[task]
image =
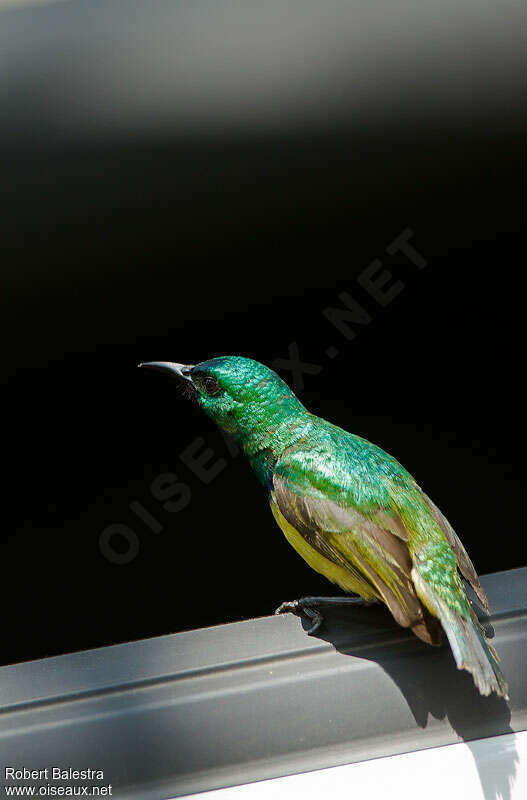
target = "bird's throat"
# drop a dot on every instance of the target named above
(264, 445)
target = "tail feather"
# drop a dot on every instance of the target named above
(467, 640)
(471, 652)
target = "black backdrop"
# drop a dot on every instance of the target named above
(182, 247)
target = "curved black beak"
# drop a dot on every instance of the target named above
(180, 370)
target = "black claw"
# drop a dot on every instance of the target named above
(307, 604)
(288, 605)
(317, 618)
(302, 605)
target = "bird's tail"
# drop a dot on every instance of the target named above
(473, 653)
(466, 637)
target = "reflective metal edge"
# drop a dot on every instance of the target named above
(240, 702)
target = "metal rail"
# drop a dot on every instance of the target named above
(220, 706)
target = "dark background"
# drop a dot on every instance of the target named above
(166, 241)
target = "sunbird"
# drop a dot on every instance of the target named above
(351, 511)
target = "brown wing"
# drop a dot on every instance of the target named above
(367, 547)
(466, 567)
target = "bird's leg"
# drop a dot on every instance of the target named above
(307, 605)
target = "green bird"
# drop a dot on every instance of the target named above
(350, 510)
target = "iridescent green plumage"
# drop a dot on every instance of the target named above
(351, 510)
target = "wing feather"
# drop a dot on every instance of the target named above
(375, 548)
(466, 567)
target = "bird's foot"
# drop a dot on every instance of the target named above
(302, 605)
(306, 604)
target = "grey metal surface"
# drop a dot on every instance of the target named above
(256, 699)
(99, 69)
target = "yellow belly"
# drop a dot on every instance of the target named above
(333, 572)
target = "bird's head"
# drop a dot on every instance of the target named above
(242, 396)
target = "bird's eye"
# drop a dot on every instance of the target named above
(211, 386)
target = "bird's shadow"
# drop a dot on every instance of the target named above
(432, 686)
